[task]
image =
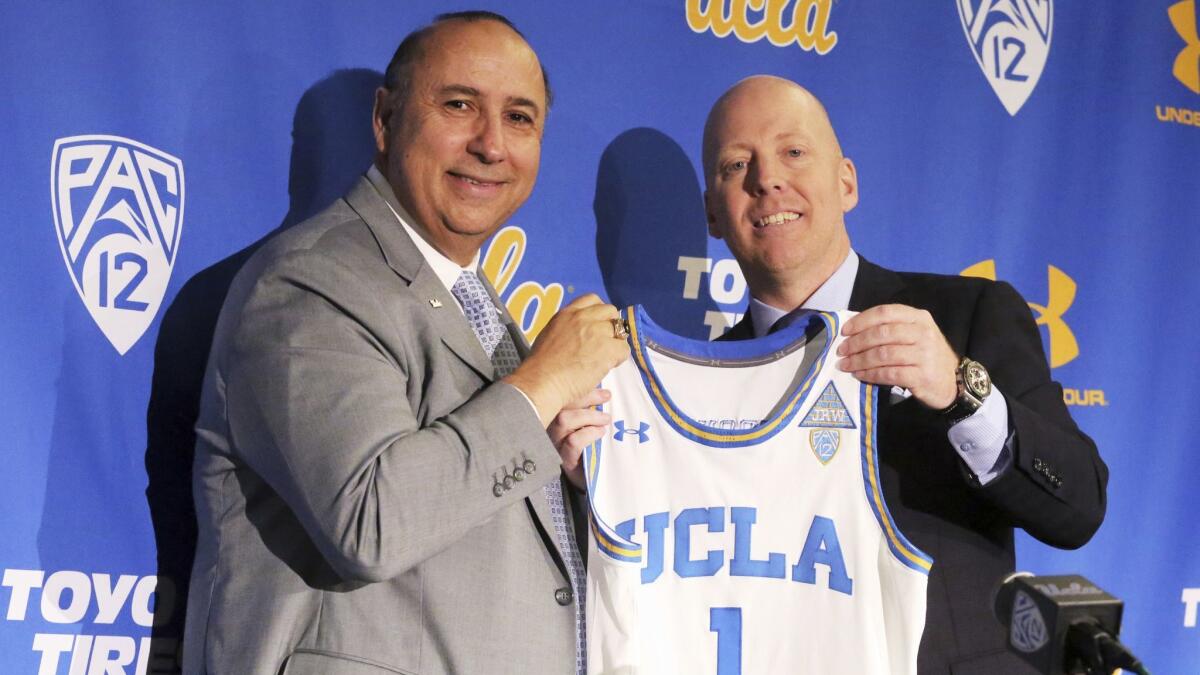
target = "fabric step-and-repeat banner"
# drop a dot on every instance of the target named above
(148, 147)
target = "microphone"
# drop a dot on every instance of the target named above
(1063, 625)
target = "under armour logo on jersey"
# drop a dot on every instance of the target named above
(829, 411)
(640, 432)
(118, 214)
(1010, 40)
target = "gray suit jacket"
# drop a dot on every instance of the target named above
(349, 441)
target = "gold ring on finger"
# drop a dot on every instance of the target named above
(620, 329)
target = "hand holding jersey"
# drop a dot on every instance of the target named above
(570, 356)
(577, 426)
(901, 346)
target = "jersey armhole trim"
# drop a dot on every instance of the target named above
(607, 540)
(899, 545)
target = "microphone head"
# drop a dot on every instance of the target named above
(1038, 611)
(1002, 596)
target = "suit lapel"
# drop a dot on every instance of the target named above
(742, 330)
(874, 285)
(406, 260)
(451, 324)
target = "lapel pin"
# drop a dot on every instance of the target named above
(435, 303)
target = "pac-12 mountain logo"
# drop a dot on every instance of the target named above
(118, 214)
(1010, 40)
(1027, 630)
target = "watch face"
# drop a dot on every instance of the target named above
(976, 379)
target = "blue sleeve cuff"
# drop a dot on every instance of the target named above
(983, 440)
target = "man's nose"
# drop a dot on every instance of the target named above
(763, 178)
(487, 144)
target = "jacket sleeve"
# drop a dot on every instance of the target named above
(1055, 486)
(328, 414)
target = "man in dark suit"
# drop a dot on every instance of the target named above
(380, 457)
(975, 439)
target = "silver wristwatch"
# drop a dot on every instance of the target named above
(974, 385)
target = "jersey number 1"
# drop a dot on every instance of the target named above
(726, 622)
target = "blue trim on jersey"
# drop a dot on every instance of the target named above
(902, 549)
(607, 540)
(641, 328)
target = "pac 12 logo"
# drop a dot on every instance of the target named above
(118, 214)
(1010, 40)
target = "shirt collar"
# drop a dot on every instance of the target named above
(447, 270)
(831, 296)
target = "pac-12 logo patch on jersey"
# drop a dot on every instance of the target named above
(118, 214)
(824, 443)
(1010, 40)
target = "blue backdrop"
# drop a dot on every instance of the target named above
(148, 147)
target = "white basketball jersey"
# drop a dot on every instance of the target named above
(737, 518)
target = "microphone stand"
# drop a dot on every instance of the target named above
(1094, 652)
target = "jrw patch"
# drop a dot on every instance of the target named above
(118, 214)
(828, 411)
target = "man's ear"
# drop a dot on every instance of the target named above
(848, 179)
(381, 112)
(713, 230)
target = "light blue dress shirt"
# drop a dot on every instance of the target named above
(982, 440)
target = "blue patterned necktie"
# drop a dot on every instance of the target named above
(484, 318)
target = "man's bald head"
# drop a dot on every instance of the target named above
(752, 93)
(398, 76)
(777, 187)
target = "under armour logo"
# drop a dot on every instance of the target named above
(1187, 64)
(1064, 348)
(640, 432)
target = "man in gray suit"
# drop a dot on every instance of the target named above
(379, 470)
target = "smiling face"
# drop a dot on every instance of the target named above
(460, 147)
(778, 187)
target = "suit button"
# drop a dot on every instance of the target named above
(529, 466)
(498, 489)
(563, 596)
